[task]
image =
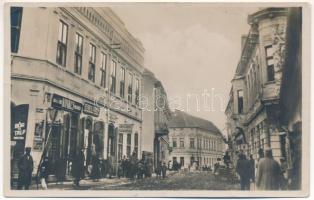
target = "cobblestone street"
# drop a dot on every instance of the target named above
(175, 181)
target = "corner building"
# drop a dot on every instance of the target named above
(253, 108)
(194, 139)
(76, 78)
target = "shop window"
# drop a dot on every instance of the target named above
(113, 76)
(103, 69)
(240, 101)
(92, 61)
(62, 44)
(128, 145)
(78, 54)
(122, 82)
(16, 19)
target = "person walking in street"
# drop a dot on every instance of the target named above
(95, 173)
(163, 170)
(243, 168)
(78, 167)
(43, 173)
(60, 170)
(283, 169)
(25, 166)
(252, 162)
(268, 173)
(158, 170)
(123, 166)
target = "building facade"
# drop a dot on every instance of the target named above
(76, 76)
(194, 140)
(156, 115)
(291, 98)
(253, 108)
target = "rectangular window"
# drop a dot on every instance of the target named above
(130, 89)
(92, 61)
(174, 142)
(113, 76)
(192, 143)
(120, 146)
(62, 44)
(78, 54)
(122, 82)
(103, 70)
(240, 101)
(16, 19)
(137, 91)
(182, 142)
(128, 145)
(270, 63)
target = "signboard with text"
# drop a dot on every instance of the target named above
(19, 122)
(125, 128)
(63, 103)
(91, 109)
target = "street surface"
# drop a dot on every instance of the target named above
(175, 181)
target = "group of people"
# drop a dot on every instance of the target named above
(269, 174)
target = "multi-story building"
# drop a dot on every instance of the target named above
(253, 108)
(291, 99)
(76, 76)
(156, 117)
(194, 139)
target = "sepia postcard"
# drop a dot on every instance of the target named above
(172, 99)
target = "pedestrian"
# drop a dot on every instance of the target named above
(60, 170)
(158, 170)
(268, 172)
(78, 167)
(226, 159)
(283, 170)
(163, 170)
(95, 171)
(43, 173)
(252, 164)
(110, 167)
(123, 166)
(25, 166)
(243, 168)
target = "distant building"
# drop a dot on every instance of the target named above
(156, 117)
(253, 109)
(194, 139)
(76, 76)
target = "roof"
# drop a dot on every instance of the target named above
(182, 119)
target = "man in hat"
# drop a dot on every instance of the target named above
(26, 166)
(268, 172)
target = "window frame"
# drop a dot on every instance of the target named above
(103, 70)
(270, 67)
(15, 28)
(92, 62)
(62, 44)
(122, 82)
(113, 76)
(78, 53)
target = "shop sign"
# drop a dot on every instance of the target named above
(91, 109)
(19, 122)
(63, 103)
(125, 128)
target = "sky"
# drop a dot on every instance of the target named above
(193, 49)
